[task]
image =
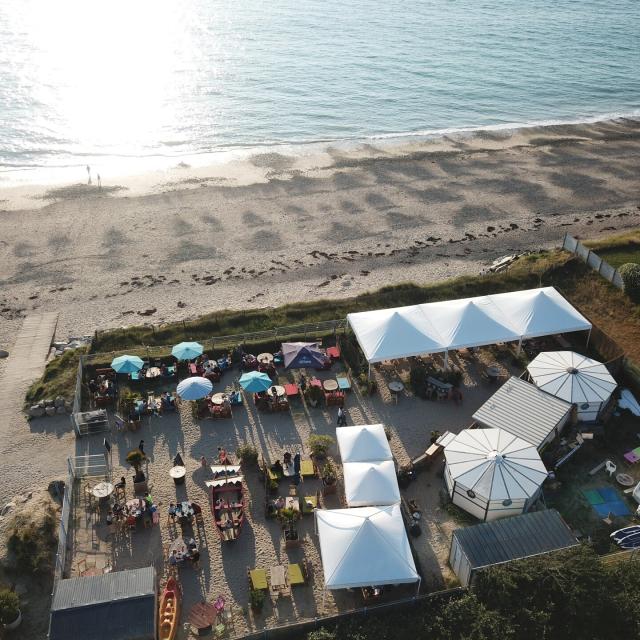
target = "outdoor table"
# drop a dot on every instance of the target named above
(153, 372)
(330, 385)
(218, 399)
(102, 490)
(625, 480)
(333, 353)
(291, 389)
(493, 371)
(279, 390)
(278, 577)
(292, 502)
(202, 615)
(438, 384)
(136, 507)
(180, 547)
(185, 510)
(265, 358)
(396, 386)
(178, 474)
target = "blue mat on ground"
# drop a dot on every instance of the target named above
(617, 508)
(609, 494)
(593, 496)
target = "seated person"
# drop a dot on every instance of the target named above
(303, 382)
(287, 459)
(279, 503)
(163, 369)
(122, 484)
(223, 458)
(93, 387)
(276, 467)
(173, 559)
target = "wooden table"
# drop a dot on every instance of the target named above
(178, 473)
(102, 490)
(202, 615)
(265, 358)
(278, 577)
(330, 385)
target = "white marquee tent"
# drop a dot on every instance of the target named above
(363, 443)
(575, 378)
(370, 483)
(389, 334)
(492, 474)
(364, 547)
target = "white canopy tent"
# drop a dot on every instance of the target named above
(575, 378)
(363, 547)
(370, 483)
(389, 334)
(492, 474)
(363, 443)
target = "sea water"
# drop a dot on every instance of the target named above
(90, 82)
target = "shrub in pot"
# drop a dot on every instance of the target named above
(257, 599)
(10, 615)
(319, 445)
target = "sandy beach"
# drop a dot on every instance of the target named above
(275, 228)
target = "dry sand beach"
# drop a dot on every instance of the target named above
(277, 228)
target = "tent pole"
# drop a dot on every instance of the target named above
(418, 589)
(519, 346)
(588, 338)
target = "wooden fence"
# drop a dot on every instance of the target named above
(608, 272)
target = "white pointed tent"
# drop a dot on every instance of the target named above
(492, 474)
(370, 483)
(364, 547)
(575, 378)
(363, 443)
(389, 334)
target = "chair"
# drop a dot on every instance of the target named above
(219, 605)
(610, 467)
(220, 630)
(609, 519)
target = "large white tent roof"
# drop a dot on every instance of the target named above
(363, 443)
(363, 547)
(402, 332)
(572, 377)
(495, 464)
(370, 483)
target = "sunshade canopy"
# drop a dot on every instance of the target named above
(255, 381)
(300, 355)
(363, 443)
(370, 483)
(572, 377)
(194, 388)
(127, 364)
(187, 350)
(364, 546)
(495, 465)
(388, 334)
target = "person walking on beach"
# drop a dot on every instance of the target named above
(99, 181)
(88, 174)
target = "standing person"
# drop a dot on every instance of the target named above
(88, 174)
(342, 418)
(99, 181)
(141, 447)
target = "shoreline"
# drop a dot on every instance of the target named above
(29, 187)
(280, 231)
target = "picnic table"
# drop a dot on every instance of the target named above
(278, 578)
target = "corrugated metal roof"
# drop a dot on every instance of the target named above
(115, 606)
(523, 410)
(513, 538)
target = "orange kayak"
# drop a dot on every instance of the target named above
(169, 618)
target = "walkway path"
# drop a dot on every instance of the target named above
(25, 363)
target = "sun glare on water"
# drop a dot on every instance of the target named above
(107, 68)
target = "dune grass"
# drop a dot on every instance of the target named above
(617, 250)
(59, 379)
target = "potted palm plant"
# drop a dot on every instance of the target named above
(319, 445)
(135, 458)
(329, 479)
(290, 530)
(10, 615)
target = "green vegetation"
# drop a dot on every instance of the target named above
(32, 541)
(617, 250)
(630, 272)
(558, 596)
(59, 379)
(9, 606)
(319, 445)
(247, 454)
